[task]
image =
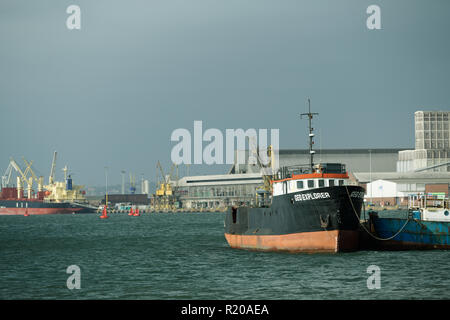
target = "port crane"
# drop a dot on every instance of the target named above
(166, 185)
(164, 197)
(161, 191)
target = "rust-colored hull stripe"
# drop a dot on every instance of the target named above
(318, 241)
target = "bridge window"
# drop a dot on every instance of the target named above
(331, 183)
(310, 183)
(299, 184)
(341, 182)
(321, 183)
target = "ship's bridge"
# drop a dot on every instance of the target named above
(301, 178)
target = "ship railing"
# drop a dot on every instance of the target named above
(288, 171)
(427, 201)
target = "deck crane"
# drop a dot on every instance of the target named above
(22, 178)
(7, 176)
(39, 181)
(52, 170)
(267, 172)
(267, 169)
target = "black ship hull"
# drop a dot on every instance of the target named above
(318, 220)
(38, 207)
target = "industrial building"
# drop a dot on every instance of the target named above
(356, 160)
(389, 175)
(426, 169)
(432, 144)
(218, 191)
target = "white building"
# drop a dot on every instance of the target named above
(384, 191)
(432, 144)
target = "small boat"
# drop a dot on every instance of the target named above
(310, 208)
(426, 226)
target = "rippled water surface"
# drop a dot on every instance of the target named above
(185, 256)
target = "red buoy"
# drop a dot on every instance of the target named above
(104, 213)
(136, 214)
(131, 211)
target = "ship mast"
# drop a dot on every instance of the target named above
(311, 134)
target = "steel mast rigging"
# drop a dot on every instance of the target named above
(311, 134)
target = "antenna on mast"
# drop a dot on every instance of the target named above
(311, 134)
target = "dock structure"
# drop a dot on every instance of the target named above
(218, 191)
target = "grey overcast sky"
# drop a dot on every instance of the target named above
(111, 93)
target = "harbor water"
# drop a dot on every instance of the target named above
(185, 256)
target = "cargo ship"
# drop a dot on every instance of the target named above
(58, 197)
(310, 208)
(426, 226)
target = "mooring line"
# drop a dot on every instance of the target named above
(370, 233)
